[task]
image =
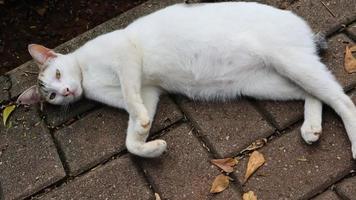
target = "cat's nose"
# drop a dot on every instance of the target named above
(67, 92)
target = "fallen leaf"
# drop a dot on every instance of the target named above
(226, 164)
(256, 160)
(249, 196)
(157, 196)
(6, 113)
(350, 60)
(256, 144)
(220, 183)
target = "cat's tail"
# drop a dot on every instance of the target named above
(320, 42)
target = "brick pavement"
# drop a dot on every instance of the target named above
(80, 153)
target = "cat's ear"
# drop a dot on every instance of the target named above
(40, 53)
(29, 96)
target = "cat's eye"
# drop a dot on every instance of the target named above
(58, 74)
(52, 96)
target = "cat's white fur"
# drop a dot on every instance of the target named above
(206, 51)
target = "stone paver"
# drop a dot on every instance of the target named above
(28, 157)
(328, 17)
(351, 31)
(298, 170)
(117, 179)
(334, 60)
(316, 15)
(167, 114)
(328, 195)
(229, 127)
(184, 172)
(347, 188)
(58, 115)
(102, 133)
(282, 4)
(92, 139)
(4, 86)
(344, 10)
(283, 114)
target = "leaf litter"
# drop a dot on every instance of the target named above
(220, 183)
(250, 195)
(226, 164)
(350, 60)
(255, 161)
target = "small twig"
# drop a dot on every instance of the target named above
(331, 12)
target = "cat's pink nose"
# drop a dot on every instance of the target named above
(67, 92)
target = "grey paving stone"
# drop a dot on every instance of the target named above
(58, 115)
(295, 170)
(22, 78)
(351, 31)
(101, 134)
(92, 139)
(4, 86)
(316, 15)
(184, 172)
(117, 179)
(282, 4)
(230, 127)
(344, 10)
(334, 60)
(283, 114)
(328, 195)
(347, 188)
(167, 114)
(28, 157)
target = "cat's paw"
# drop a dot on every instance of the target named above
(157, 147)
(149, 149)
(310, 133)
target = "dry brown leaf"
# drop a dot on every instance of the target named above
(249, 196)
(220, 183)
(226, 164)
(350, 61)
(256, 144)
(256, 160)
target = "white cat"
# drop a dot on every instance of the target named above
(205, 51)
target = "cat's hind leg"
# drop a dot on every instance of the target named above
(306, 70)
(271, 85)
(311, 128)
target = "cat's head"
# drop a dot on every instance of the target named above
(59, 78)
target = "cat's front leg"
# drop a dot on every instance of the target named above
(130, 79)
(137, 136)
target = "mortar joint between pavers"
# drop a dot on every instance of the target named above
(149, 180)
(264, 113)
(339, 28)
(335, 187)
(348, 34)
(69, 178)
